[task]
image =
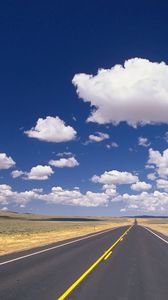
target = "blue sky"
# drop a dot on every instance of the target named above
(84, 107)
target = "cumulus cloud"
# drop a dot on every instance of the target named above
(6, 162)
(159, 161)
(8, 196)
(39, 173)
(17, 173)
(162, 184)
(5, 193)
(115, 177)
(142, 141)
(151, 176)
(141, 186)
(57, 195)
(146, 202)
(52, 129)
(98, 137)
(69, 162)
(136, 92)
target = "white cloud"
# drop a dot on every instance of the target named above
(69, 162)
(5, 192)
(151, 176)
(146, 202)
(112, 145)
(52, 130)
(75, 197)
(39, 173)
(149, 167)
(115, 177)
(162, 184)
(136, 93)
(17, 173)
(98, 137)
(8, 196)
(141, 186)
(122, 209)
(160, 161)
(57, 195)
(6, 162)
(142, 141)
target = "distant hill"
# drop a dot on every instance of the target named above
(34, 217)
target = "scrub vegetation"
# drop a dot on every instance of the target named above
(158, 224)
(24, 231)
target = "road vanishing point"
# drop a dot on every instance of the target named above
(125, 263)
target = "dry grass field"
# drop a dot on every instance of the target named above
(24, 231)
(158, 224)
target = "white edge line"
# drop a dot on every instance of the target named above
(155, 234)
(55, 247)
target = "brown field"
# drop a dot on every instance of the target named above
(24, 231)
(158, 224)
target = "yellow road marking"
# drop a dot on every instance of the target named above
(93, 266)
(108, 255)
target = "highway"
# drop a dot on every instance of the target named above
(127, 263)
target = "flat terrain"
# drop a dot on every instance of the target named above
(136, 269)
(158, 224)
(25, 231)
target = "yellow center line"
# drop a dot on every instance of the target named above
(108, 255)
(93, 266)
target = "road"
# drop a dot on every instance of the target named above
(116, 265)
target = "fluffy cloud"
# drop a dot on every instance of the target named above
(151, 176)
(5, 193)
(141, 186)
(160, 161)
(8, 196)
(98, 137)
(6, 162)
(127, 93)
(39, 173)
(115, 177)
(75, 197)
(69, 162)
(142, 141)
(57, 195)
(162, 184)
(146, 202)
(17, 173)
(51, 130)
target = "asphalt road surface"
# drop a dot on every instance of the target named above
(121, 264)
